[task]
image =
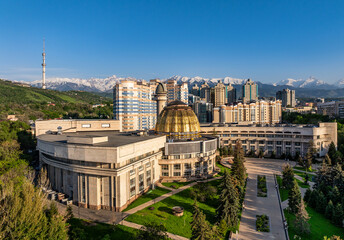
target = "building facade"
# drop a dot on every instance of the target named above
(249, 91)
(332, 109)
(260, 112)
(231, 94)
(101, 170)
(133, 104)
(177, 91)
(205, 92)
(220, 94)
(75, 125)
(280, 139)
(287, 96)
(203, 111)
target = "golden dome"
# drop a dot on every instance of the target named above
(178, 121)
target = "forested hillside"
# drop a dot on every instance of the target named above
(29, 103)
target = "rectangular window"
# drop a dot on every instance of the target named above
(176, 166)
(148, 177)
(140, 168)
(83, 182)
(105, 125)
(270, 142)
(164, 167)
(279, 143)
(148, 165)
(132, 172)
(86, 125)
(176, 174)
(165, 174)
(261, 142)
(132, 187)
(187, 165)
(141, 183)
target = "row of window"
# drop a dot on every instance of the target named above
(104, 125)
(132, 185)
(187, 166)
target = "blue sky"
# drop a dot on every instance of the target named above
(267, 41)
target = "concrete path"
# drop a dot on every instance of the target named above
(138, 226)
(261, 205)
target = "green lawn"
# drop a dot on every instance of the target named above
(157, 192)
(303, 169)
(223, 168)
(320, 226)
(162, 212)
(175, 185)
(301, 184)
(100, 230)
(283, 192)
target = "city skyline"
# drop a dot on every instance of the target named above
(267, 42)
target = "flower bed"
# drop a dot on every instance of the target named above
(261, 186)
(262, 223)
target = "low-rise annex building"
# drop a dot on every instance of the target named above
(280, 138)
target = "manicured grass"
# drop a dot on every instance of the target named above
(320, 226)
(261, 186)
(303, 169)
(162, 212)
(283, 192)
(157, 192)
(97, 231)
(175, 185)
(301, 184)
(223, 169)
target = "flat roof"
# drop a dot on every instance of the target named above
(115, 139)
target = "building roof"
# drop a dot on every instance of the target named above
(178, 121)
(114, 138)
(160, 88)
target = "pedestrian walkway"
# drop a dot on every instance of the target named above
(255, 205)
(138, 226)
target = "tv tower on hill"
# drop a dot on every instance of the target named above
(43, 66)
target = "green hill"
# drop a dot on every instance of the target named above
(15, 93)
(32, 103)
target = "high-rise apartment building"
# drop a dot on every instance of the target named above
(195, 90)
(133, 104)
(203, 111)
(177, 91)
(231, 94)
(249, 92)
(220, 94)
(205, 92)
(260, 112)
(287, 96)
(332, 109)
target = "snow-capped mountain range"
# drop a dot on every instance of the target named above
(106, 84)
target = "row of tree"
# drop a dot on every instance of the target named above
(230, 199)
(327, 197)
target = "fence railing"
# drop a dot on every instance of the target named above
(284, 221)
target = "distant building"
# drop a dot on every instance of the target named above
(195, 90)
(205, 92)
(332, 109)
(177, 91)
(287, 96)
(220, 94)
(203, 111)
(133, 104)
(260, 112)
(12, 118)
(231, 94)
(249, 91)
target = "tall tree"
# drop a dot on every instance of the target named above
(301, 220)
(329, 210)
(287, 176)
(152, 231)
(230, 149)
(338, 215)
(331, 150)
(199, 226)
(228, 209)
(294, 197)
(238, 167)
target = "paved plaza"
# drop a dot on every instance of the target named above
(261, 205)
